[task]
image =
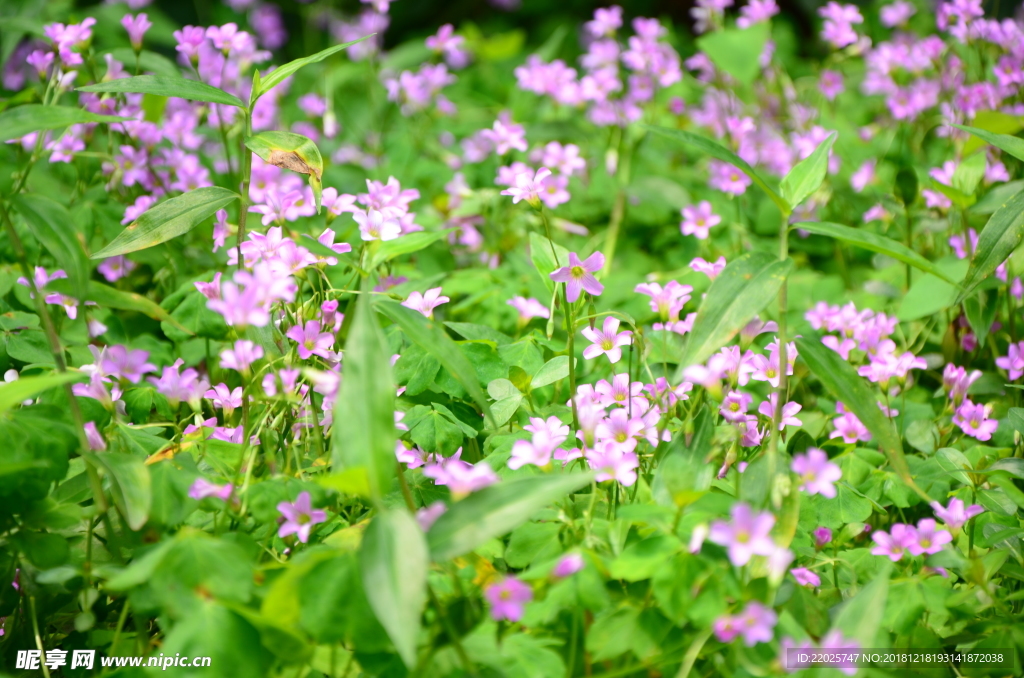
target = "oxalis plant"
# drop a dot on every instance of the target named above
(688, 355)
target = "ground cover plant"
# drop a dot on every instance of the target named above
(622, 347)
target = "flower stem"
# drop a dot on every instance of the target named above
(243, 203)
(780, 402)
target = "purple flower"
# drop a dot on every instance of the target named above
(956, 515)
(608, 340)
(1014, 361)
(711, 270)
(568, 565)
(505, 136)
(461, 477)
(746, 535)
(311, 340)
(849, 428)
(123, 363)
(612, 461)
(755, 623)
(728, 178)
(973, 420)
(930, 539)
(428, 515)
(179, 386)
(897, 13)
(300, 517)
(579, 276)
(507, 599)
(92, 435)
(373, 225)
(203, 488)
(527, 185)
(863, 176)
(789, 411)
(755, 12)
(838, 29)
(241, 356)
(426, 302)
(115, 268)
(529, 308)
(816, 472)
(895, 543)
(698, 220)
(956, 381)
(805, 577)
(190, 39)
(225, 398)
(606, 21)
(136, 27)
(734, 406)
(822, 536)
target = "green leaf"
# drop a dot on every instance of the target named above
(683, 475)
(168, 220)
(843, 382)
(739, 292)
(860, 618)
(1012, 145)
(212, 630)
(737, 51)
(642, 559)
(496, 510)
(874, 243)
(293, 152)
(107, 296)
(272, 79)
(364, 415)
(394, 557)
(17, 122)
(162, 85)
(543, 259)
(14, 393)
(406, 244)
(148, 61)
(428, 335)
(722, 153)
(969, 173)
(1000, 237)
(130, 485)
(844, 508)
(52, 225)
(553, 370)
(805, 178)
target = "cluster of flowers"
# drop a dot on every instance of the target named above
(927, 537)
(649, 61)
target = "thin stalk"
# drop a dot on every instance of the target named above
(39, 638)
(780, 402)
(243, 203)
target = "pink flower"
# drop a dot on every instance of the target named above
(746, 535)
(894, 544)
(300, 517)
(507, 599)
(241, 356)
(956, 381)
(373, 225)
(973, 420)
(734, 406)
(816, 472)
(547, 435)
(124, 363)
(426, 303)
(1014, 361)
(461, 477)
(529, 308)
(506, 136)
(805, 577)
(822, 536)
(203, 488)
(428, 515)
(711, 270)
(527, 185)
(831, 85)
(607, 340)
(92, 435)
(579, 276)
(848, 427)
(698, 220)
(956, 514)
(897, 13)
(136, 27)
(613, 462)
(310, 339)
(930, 539)
(789, 411)
(863, 176)
(568, 565)
(667, 302)
(728, 178)
(755, 623)
(605, 22)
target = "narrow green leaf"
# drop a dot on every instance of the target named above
(429, 336)
(394, 562)
(739, 292)
(17, 122)
(131, 485)
(807, 175)
(105, 295)
(165, 86)
(1000, 237)
(1012, 145)
(496, 510)
(363, 439)
(843, 382)
(52, 225)
(14, 393)
(722, 153)
(875, 243)
(272, 79)
(737, 51)
(407, 244)
(293, 152)
(149, 61)
(168, 220)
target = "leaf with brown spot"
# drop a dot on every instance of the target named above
(292, 152)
